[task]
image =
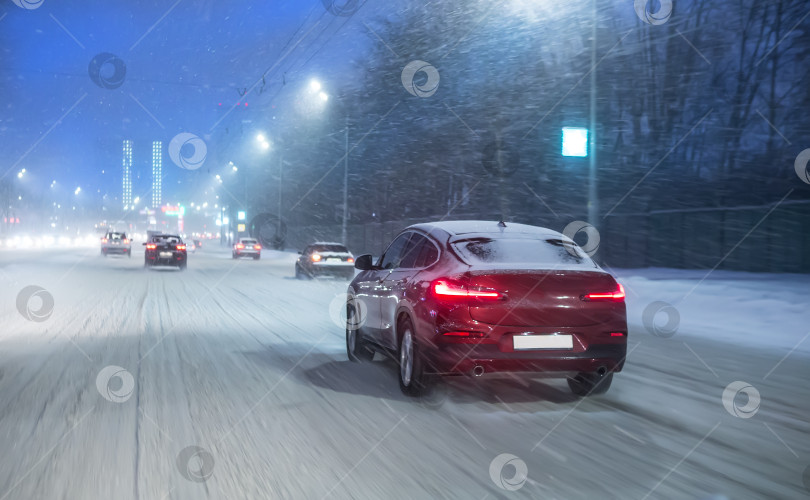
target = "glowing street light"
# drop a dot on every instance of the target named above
(315, 88)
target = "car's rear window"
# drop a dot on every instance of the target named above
(174, 240)
(529, 252)
(329, 248)
(249, 242)
(117, 236)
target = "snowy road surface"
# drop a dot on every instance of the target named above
(244, 362)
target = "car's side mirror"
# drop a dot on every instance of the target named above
(364, 262)
(300, 253)
(144, 244)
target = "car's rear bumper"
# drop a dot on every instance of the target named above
(121, 250)
(247, 253)
(346, 269)
(462, 358)
(175, 260)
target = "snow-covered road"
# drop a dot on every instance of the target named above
(242, 361)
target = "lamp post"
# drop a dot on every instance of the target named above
(593, 194)
(345, 183)
(315, 87)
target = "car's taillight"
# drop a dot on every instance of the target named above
(464, 334)
(180, 247)
(446, 289)
(126, 241)
(316, 258)
(151, 246)
(240, 246)
(257, 247)
(614, 296)
(350, 259)
(104, 240)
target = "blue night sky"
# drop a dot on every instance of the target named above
(184, 64)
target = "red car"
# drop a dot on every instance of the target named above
(474, 297)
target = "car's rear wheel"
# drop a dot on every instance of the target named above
(301, 274)
(412, 379)
(129, 254)
(356, 349)
(590, 384)
(256, 257)
(104, 253)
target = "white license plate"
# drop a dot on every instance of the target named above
(334, 260)
(165, 254)
(521, 342)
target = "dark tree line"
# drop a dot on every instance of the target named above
(707, 109)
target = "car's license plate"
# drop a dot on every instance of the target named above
(165, 254)
(334, 260)
(521, 342)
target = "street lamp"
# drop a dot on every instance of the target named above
(264, 143)
(315, 88)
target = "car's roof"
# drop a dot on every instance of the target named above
(458, 227)
(327, 243)
(248, 238)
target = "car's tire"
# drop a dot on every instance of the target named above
(590, 384)
(182, 267)
(129, 254)
(357, 350)
(412, 378)
(301, 274)
(233, 255)
(256, 257)
(104, 253)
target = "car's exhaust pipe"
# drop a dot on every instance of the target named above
(601, 371)
(478, 370)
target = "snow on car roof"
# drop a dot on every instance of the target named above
(485, 227)
(327, 243)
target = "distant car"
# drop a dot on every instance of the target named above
(247, 247)
(166, 250)
(478, 297)
(325, 259)
(116, 243)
